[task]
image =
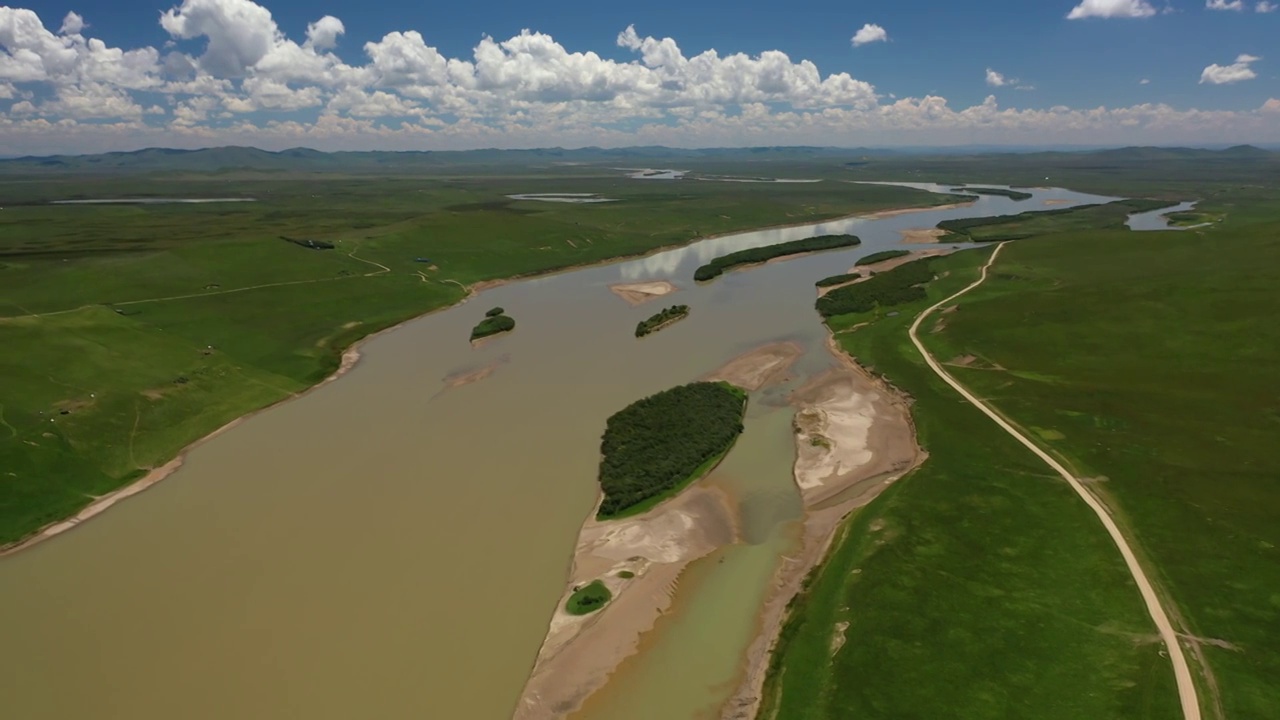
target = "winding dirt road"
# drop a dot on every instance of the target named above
(1181, 671)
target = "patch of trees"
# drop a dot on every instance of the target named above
(588, 598)
(750, 256)
(495, 312)
(1011, 194)
(879, 257)
(660, 320)
(1112, 215)
(838, 279)
(898, 286)
(492, 325)
(658, 444)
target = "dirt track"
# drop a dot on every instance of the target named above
(1181, 670)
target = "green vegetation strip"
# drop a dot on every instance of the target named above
(976, 587)
(751, 256)
(881, 256)
(893, 287)
(998, 228)
(492, 324)
(662, 319)
(1000, 192)
(656, 446)
(588, 598)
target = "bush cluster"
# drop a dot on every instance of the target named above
(657, 321)
(716, 267)
(898, 286)
(657, 444)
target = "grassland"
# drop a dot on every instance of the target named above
(977, 587)
(1149, 363)
(1107, 216)
(153, 325)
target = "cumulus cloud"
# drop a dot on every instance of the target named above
(1237, 71)
(1144, 81)
(1112, 9)
(1265, 6)
(229, 72)
(1236, 5)
(869, 33)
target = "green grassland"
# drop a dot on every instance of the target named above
(1153, 361)
(153, 325)
(977, 587)
(588, 598)
(1110, 215)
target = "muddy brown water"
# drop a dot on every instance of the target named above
(385, 547)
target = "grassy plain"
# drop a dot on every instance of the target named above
(1152, 361)
(588, 598)
(153, 325)
(978, 587)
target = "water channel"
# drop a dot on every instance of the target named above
(387, 547)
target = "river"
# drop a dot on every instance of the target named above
(387, 547)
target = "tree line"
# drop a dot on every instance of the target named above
(659, 320)
(898, 286)
(656, 444)
(750, 256)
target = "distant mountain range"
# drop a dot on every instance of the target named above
(226, 159)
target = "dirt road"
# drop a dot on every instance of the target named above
(1181, 671)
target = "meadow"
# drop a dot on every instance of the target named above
(1148, 363)
(134, 330)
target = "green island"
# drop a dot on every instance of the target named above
(657, 445)
(949, 586)
(1191, 218)
(752, 256)
(1000, 192)
(879, 257)
(997, 228)
(494, 322)
(662, 319)
(900, 285)
(588, 599)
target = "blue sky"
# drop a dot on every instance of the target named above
(120, 74)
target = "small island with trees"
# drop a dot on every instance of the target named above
(495, 321)
(1001, 192)
(662, 319)
(656, 446)
(588, 598)
(752, 256)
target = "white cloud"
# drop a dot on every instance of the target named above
(1112, 9)
(1236, 5)
(72, 24)
(1226, 74)
(1266, 6)
(323, 33)
(1144, 81)
(869, 33)
(1271, 106)
(230, 70)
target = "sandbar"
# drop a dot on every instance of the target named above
(922, 235)
(639, 293)
(763, 366)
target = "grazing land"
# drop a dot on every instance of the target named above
(657, 445)
(945, 596)
(153, 325)
(662, 319)
(752, 256)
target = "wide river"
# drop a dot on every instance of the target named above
(385, 547)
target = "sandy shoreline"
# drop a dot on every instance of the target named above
(580, 653)
(867, 442)
(921, 235)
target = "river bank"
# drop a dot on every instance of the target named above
(854, 437)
